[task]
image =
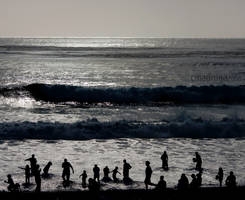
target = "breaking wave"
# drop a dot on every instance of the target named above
(135, 96)
(94, 129)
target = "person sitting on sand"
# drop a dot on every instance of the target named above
(164, 159)
(27, 174)
(106, 177)
(183, 182)
(66, 170)
(198, 161)
(148, 173)
(126, 168)
(84, 178)
(12, 187)
(38, 178)
(161, 185)
(114, 175)
(231, 180)
(33, 162)
(193, 183)
(46, 169)
(220, 176)
(96, 171)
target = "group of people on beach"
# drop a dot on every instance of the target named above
(94, 183)
(32, 170)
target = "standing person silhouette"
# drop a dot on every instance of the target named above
(148, 173)
(106, 177)
(126, 168)
(33, 162)
(220, 176)
(164, 159)
(198, 161)
(84, 177)
(37, 178)
(96, 171)
(114, 175)
(66, 170)
(27, 174)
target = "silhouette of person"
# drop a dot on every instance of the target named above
(46, 169)
(66, 170)
(193, 183)
(161, 185)
(220, 176)
(199, 178)
(126, 168)
(183, 182)
(148, 173)
(12, 186)
(93, 185)
(106, 171)
(198, 161)
(96, 171)
(114, 175)
(164, 159)
(33, 162)
(27, 174)
(231, 180)
(84, 177)
(38, 178)
(106, 177)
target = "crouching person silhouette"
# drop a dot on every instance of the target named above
(12, 187)
(46, 170)
(183, 182)
(231, 180)
(162, 185)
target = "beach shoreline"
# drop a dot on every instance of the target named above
(169, 193)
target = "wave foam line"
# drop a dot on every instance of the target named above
(93, 129)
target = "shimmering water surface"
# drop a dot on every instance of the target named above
(122, 98)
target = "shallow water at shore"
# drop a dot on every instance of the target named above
(228, 153)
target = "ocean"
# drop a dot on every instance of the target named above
(102, 100)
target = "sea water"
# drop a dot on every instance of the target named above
(102, 100)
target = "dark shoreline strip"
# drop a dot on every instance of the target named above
(171, 194)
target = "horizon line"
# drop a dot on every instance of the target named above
(123, 37)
